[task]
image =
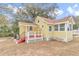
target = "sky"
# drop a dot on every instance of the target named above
(64, 10)
(67, 9)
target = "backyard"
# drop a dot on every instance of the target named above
(45, 48)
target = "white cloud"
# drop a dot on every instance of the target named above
(20, 7)
(10, 6)
(59, 12)
(73, 10)
(15, 9)
(8, 16)
(70, 10)
(76, 5)
(77, 13)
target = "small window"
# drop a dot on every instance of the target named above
(62, 27)
(38, 21)
(69, 28)
(0, 30)
(50, 28)
(30, 28)
(56, 27)
(42, 26)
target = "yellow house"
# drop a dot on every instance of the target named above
(61, 30)
(29, 29)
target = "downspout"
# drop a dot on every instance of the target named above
(72, 32)
(66, 25)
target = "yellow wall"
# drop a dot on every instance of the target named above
(69, 35)
(50, 33)
(24, 29)
(44, 29)
(63, 35)
(59, 35)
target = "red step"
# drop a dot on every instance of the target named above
(20, 40)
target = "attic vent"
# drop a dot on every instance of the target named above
(38, 21)
(42, 26)
(30, 28)
(50, 28)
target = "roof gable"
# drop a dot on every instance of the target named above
(54, 21)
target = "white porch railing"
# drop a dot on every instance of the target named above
(76, 33)
(33, 36)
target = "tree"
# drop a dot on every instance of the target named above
(15, 28)
(4, 29)
(31, 11)
(76, 26)
(42, 9)
(3, 20)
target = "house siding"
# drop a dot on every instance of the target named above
(43, 28)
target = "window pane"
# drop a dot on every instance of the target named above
(0, 29)
(69, 27)
(42, 26)
(30, 28)
(56, 27)
(38, 21)
(62, 27)
(50, 28)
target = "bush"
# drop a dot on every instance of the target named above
(75, 26)
(5, 33)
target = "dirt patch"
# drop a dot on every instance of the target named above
(2, 40)
(44, 48)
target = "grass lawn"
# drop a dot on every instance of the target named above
(44, 48)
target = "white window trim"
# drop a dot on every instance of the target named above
(65, 27)
(70, 28)
(51, 28)
(62, 27)
(58, 27)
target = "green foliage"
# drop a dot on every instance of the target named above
(15, 27)
(28, 12)
(4, 29)
(75, 26)
(3, 20)
(35, 10)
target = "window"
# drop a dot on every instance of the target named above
(38, 21)
(62, 27)
(69, 28)
(50, 28)
(42, 26)
(0, 30)
(56, 27)
(30, 28)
